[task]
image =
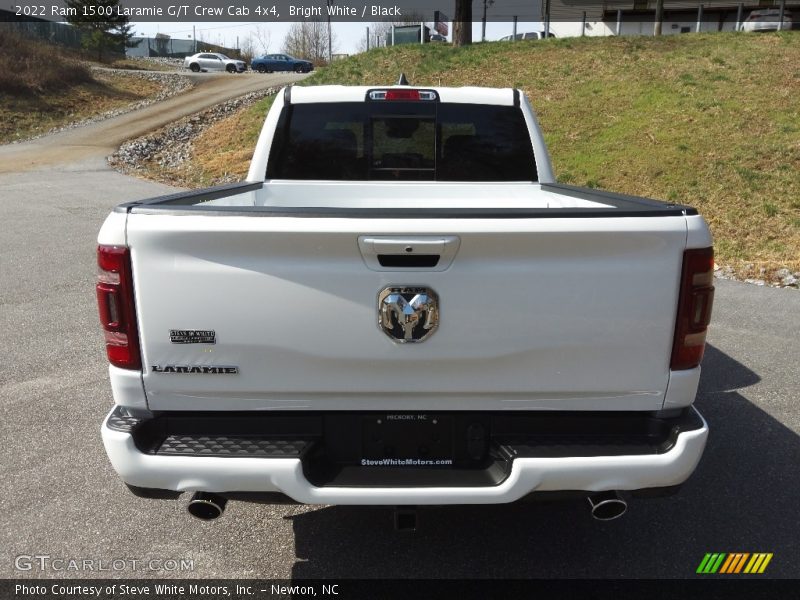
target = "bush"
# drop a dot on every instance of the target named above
(30, 67)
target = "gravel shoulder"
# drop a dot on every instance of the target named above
(165, 155)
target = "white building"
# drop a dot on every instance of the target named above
(636, 17)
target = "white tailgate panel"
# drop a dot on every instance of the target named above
(535, 313)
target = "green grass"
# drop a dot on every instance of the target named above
(230, 143)
(710, 120)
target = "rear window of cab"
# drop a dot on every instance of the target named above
(414, 141)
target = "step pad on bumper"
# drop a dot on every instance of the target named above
(558, 446)
(199, 434)
(202, 445)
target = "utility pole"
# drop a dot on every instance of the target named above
(367, 39)
(486, 5)
(781, 15)
(546, 19)
(659, 17)
(329, 3)
(194, 37)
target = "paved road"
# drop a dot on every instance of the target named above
(61, 497)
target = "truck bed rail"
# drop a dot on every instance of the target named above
(196, 201)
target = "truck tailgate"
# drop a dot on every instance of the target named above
(541, 313)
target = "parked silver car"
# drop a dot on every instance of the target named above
(213, 61)
(767, 20)
(528, 35)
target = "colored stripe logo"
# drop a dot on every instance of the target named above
(734, 563)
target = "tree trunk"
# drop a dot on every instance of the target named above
(462, 23)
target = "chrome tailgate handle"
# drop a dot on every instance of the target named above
(399, 253)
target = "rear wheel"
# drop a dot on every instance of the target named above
(194, 67)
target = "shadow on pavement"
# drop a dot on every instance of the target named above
(743, 497)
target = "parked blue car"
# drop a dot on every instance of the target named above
(280, 62)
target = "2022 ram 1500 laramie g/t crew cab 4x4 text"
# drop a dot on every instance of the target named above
(400, 306)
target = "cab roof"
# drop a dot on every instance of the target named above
(457, 95)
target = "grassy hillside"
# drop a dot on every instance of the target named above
(710, 120)
(44, 86)
(29, 67)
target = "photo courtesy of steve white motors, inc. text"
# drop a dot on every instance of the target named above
(194, 590)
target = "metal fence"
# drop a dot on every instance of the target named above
(55, 33)
(173, 48)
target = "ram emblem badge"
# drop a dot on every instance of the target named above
(408, 314)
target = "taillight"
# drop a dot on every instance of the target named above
(694, 308)
(117, 310)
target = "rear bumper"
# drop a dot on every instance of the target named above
(174, 452)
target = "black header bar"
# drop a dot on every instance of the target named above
(368, 11)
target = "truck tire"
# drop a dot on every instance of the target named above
(194, 67)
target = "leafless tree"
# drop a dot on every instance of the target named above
(309, 40)
(247, 49)
(363, 44)
(262, 38)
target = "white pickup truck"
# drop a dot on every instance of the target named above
(401, 306)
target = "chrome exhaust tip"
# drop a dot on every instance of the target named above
(206, 506)
(607, 506)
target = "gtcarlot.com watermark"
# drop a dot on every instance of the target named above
(47, 563)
